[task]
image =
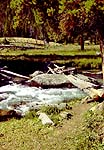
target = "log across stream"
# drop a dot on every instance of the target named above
(23, 97)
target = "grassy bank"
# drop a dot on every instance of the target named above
(80, 132)
(62, 54)
(64, 50)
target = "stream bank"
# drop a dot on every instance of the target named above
(25, 64)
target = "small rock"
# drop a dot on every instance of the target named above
(34, 106)
(66, 115)
(45, 119)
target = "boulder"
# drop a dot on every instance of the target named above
(50, 80)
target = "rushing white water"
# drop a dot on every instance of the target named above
(20, 97)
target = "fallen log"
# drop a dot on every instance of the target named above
(81, 84)
(10, 73)
(85, 78)
(16, 46)
(88, 79)
(97, 75)
(4, 76)
(56, 69)
(87, 87)
(51, 70)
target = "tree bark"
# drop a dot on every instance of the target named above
(82, 42)
(102, 55)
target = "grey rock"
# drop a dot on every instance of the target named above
(45, 119)
(51, 80)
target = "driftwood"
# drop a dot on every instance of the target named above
(80, 83)
(87, 87)
(93, 75)
(88, 79)
(21, 43)
(16, 46)
(56, 69)
(8, 77)
(10, 73)
(60, 70)
(4, 76)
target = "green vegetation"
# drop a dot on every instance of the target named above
(89, 137)
(64, 21)
(63, 54)
(54, 20)
(63, 50)
(78, 133)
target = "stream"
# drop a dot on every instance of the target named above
(24, 98)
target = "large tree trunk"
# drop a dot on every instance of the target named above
(103, 68)
(102, 54)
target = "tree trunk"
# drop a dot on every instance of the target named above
(102, 54)
(82, 42)
(103, 68)
(95, 39)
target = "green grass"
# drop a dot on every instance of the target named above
(74, 134)
(62, 54)
(67, 50)
(89, 137)
(28, 133)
